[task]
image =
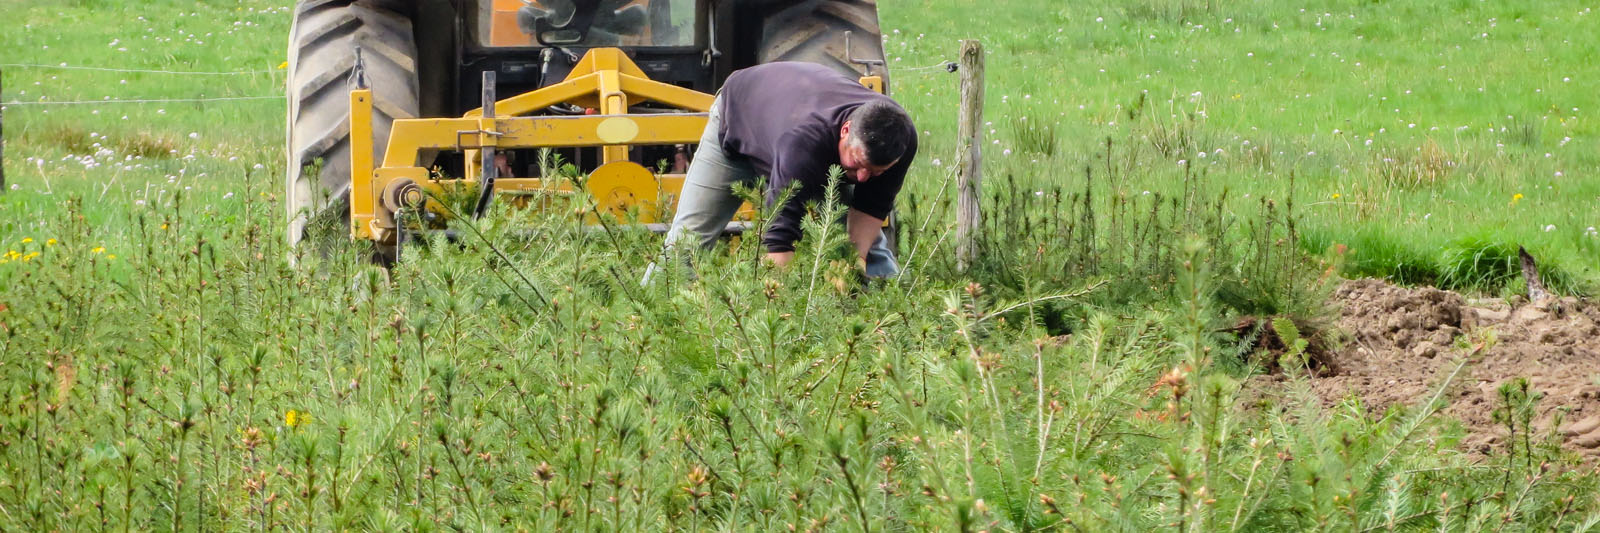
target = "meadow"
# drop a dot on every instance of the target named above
(1157, 170)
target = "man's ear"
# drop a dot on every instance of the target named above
(844, 131)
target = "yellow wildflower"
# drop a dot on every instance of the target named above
(112, 257)
(296, 419)
(99, 250)
(283, 65)
(1336, 196)
(30, 256)
(26, 240)
(51, 242)
(13, 255)
(163, 225)
(1517, 196)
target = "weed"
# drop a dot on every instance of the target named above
(1426, 166)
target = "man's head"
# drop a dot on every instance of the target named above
(872, 139)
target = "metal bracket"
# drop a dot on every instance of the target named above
(849, 53)
(473, 146)
(487, 170)
(712, 53)
(358, 73)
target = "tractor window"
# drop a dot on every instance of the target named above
(625, 23)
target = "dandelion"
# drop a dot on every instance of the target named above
(26, 240)
(50, 242)
(111, 257)
(163, 225)
(283, 65)
(295, 419)
(99, 250)
(32, 255)
(1336, 196)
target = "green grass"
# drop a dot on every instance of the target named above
(1328, 91)
(156, 339)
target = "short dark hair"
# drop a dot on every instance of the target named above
(883, 128)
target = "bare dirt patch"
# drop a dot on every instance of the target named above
(1403, 343)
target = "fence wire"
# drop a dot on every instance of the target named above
(145, 101)
(137, 71)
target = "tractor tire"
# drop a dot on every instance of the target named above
(814, 31)
(322, 62)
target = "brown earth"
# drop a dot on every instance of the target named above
(1403, 342)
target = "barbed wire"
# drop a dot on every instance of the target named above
(138, 71)
(145, 101)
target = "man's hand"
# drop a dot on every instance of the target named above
(864, 231)
(781, 259)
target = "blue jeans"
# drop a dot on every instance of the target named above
(707, 202)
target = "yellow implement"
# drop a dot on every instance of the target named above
(604, 81)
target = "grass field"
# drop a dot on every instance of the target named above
(1157, 169)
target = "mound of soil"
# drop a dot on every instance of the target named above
(1403, 343)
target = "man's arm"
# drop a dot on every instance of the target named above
(798, 167)
(864, 230)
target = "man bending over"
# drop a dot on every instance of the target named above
(791, 122)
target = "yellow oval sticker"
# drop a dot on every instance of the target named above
(617, 130)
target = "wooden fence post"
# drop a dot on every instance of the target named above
(969, 155)
(2, 136)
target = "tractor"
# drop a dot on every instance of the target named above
(393, 103)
